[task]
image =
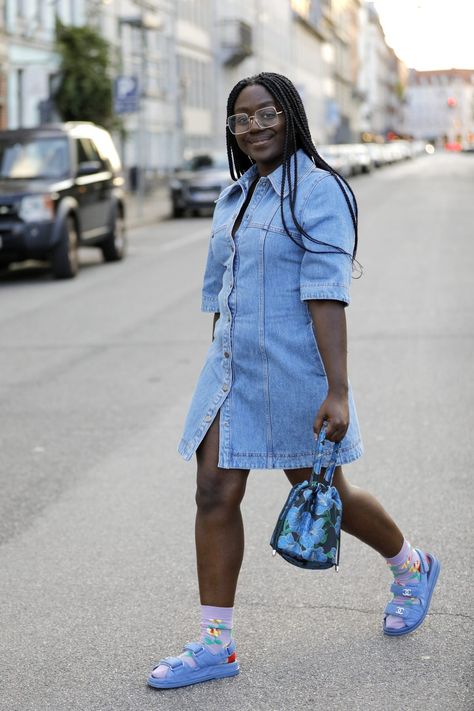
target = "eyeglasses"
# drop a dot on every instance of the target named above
(264, 118)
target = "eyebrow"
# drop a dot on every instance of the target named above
(261, 105)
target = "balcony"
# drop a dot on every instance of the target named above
(235, 41)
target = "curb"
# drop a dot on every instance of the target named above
(156, 208)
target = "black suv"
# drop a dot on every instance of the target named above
(61, 187)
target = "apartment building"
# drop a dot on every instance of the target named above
(313, 59)
(32, 62)
(381, 78)
(184, 56)
(345, 32)
(3, 68)
(440, 105)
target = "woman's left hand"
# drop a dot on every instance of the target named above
(335, 411)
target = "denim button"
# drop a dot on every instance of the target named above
(226, 355)
(225, 388)
(208, 418)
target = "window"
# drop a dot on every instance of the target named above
(34, 158)
(86, 151)
(19, 97)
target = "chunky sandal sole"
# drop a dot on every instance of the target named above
(433, 574)
(219, 671)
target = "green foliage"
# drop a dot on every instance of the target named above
(85, 89)
(400, 90)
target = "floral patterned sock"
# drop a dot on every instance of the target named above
(216, 627)
(406, 570)
(216, 633)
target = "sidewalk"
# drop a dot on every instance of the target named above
(156, 206)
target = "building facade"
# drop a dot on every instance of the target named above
(184, 56)
(32, 62)
(381, 78)
(3, 69)
(313, 59)
(345, 32)
(440, 106)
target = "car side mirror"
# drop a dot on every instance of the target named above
(89, 167)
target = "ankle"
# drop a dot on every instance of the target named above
(216, 627)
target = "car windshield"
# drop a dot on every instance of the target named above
(204, 161)
(34, 158)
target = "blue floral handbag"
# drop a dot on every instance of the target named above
(308, 530)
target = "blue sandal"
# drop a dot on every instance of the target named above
(208, 666)
(413, 615)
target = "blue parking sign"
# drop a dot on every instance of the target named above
(126, 95)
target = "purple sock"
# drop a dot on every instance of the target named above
(405, 567)
(216, 633)
(216, 627)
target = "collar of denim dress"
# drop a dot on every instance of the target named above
(304, 166)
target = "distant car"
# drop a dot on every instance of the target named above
(61, 187)
(365, 163)
(376, 152)
(197, 184)
(337, 159)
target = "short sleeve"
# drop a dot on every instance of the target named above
(212, 283)
(327, 274)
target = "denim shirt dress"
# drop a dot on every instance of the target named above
(263, 370)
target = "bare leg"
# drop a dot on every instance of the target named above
(362, 515)
(219, 527)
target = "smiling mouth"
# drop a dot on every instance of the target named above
(259, 139)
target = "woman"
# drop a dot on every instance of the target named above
(277, 278)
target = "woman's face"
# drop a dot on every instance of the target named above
(264, 145)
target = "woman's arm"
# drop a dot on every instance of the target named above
(329, 322)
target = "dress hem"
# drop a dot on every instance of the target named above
(261, 461)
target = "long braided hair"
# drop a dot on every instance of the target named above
(297, 135)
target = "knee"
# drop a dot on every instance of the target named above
(218, 492)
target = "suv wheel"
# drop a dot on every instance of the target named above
(114, 246)
(65, 257)
(178, 211)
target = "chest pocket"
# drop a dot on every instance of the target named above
(221, 244)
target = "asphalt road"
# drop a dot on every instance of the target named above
(97, 570)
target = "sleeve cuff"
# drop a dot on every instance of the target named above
(332, 293)
(210, 304)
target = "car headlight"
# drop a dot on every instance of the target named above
(35, 208)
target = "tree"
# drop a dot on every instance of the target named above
(85, 91)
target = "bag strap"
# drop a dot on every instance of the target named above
(329, 473)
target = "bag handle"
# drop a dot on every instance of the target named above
(329, 473)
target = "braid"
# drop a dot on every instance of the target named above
(297, 135)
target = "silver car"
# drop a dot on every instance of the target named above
(197, 184)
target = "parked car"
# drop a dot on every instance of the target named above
(198, 183)
(337, 159)
(377, 155)
(364, 160)
(61, 187)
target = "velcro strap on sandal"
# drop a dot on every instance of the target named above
(409, 614)
(406, 590)
(171, 662)
(202, 656)
(394, 609)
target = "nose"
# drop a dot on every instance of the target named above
(254, 127)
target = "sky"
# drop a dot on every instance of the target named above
(430, 34)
